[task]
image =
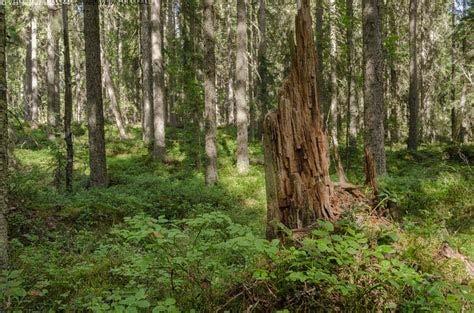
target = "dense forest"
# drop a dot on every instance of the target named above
(236, 155)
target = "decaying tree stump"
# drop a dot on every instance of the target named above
(298, 185)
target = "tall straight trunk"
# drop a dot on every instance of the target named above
(147, 75)
(231, 107)
(3, 143)
(413, 100)
(422, 119)
(95, 108)
(262, 88)
(323, 98)
(210, 92)
(111, 89)
(79, 91)
(394, 125)
(464, 111)
(52, 66)
(159, 104)
(455, 129)
(298, 185)
(67, 102)
(172, 78)
(351, 132)
(241, 76)
(31, 84)
(373, 78)
(333, 128)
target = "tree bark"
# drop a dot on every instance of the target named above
(52, 67)
(95, 110)
(3, 143)
(394, 125)
(262, 88)
(67, 102)
(31, 77)
(159, 148)
(147, 75)
(298, 185)
(455, 127)
(333, 128)
(413, 100)
(210, 92)
(111, 89)
(351, 131)
(320, 37)
(231, 107)
(373, 78)
(241, 77)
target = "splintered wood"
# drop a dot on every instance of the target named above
(299, 189)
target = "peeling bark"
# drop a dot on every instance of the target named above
(298, 185)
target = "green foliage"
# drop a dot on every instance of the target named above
(158, 240)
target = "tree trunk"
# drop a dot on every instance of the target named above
(147, 75)
(52, 71)
(241, 77)
(413, 101)
(333, 128)
(3, 144)
(351, 132)
(373, 78)
(322, 96)
(262, 88)
(455, 128)
(67, 102)
(394, 125)
(172, 47)
(95, 110)
(112, 92)
(31, 84)
(159, 147)
(210, 92)
(296, 157)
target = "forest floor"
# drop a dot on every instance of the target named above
(158, 240)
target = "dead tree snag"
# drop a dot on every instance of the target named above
(299, 189)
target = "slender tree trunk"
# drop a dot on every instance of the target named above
(296, 158)
(413, 101)
(241, 77)
(95, 109)
(210, 92)
(455, 129)
(394, 125)
(333, 128)
(67, 102)
(79, 92)
(373, 78)
(112, 92)
(52, 71)
(172, 34)
(159, 148)
(231, 107)
(351, 132)
(262, 88)
(147, 75)
(323, 98)
(31, 84)
(3, 143)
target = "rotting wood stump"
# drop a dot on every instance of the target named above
(299, 189)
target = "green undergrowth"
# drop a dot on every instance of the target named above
(158, 240)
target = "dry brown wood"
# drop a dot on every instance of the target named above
(299, 188)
